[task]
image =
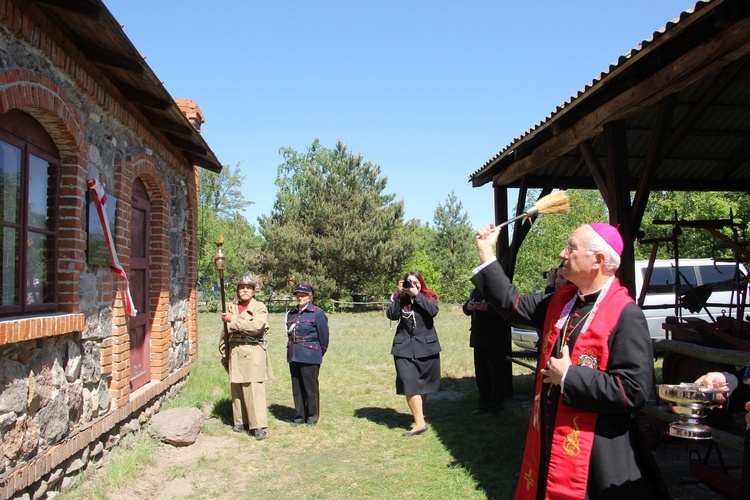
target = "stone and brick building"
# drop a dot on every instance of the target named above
(78, 103)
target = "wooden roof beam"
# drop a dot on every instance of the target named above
(576, 167)
(618, 202)
(654, 155)
(185, 144)
(169, 126)
(509, 261)
(201, 162)
(79, 6)
(595, 168)
(535, 181)
(143, 99)
(500, 195)
(101, 57)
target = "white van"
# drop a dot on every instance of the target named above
(714, 283)
(704, 282)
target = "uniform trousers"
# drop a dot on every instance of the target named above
(306, 391)
(249, 404)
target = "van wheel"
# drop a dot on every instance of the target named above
(678, 368)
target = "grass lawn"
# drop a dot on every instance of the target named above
(357, 449)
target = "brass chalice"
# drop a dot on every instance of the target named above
(692, 402)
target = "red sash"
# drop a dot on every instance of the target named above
(573, 435)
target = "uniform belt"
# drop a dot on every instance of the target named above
(245, 340)
(296, 339)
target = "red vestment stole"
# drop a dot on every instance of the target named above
(573, 434)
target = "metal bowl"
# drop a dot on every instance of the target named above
(691, 402)
(689, 394)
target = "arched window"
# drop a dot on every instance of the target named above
(29, 177)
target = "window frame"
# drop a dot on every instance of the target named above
(25, 133)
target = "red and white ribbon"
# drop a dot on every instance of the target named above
(100, 201)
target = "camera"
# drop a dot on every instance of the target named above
(407, 284)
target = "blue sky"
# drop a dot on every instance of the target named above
(428, 90)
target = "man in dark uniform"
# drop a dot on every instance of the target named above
(490, 340)
(307, 329)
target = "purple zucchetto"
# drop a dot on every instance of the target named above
(610, 234)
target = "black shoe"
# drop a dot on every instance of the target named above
(297, 423)
(312, 424)
(415, 432)
(238, 428)
(259, 434)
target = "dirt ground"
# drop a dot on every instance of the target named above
(166, 479)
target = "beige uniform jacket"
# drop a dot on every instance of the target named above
(247, 362)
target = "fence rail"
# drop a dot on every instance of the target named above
(341, 305)
(723, 356)
(280, 305)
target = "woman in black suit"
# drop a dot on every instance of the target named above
(416, 349)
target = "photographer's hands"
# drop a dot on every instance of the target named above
(411, 291)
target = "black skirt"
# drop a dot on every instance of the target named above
(417, 376)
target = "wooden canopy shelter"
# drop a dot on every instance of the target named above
(672, 114)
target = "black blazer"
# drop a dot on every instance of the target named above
(415, 335)
(488, 329)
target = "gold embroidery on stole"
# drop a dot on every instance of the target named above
(570, 445)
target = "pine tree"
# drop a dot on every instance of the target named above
(454, 252)
(332, 225)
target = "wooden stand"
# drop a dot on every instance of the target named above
(722, 474)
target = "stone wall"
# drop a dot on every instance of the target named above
(51, 387)
(92, 456)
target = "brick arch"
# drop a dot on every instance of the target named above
(48, 104)
(144, 168)
(43, 99)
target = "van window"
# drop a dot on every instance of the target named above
(663, 280)
(723, 274)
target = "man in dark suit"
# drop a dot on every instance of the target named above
(490, 340)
